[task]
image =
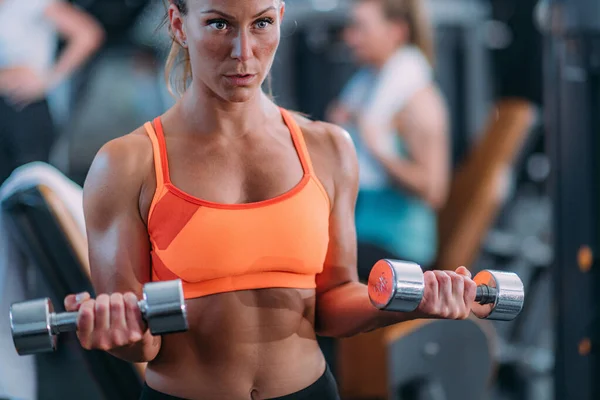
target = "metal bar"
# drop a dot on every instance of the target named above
(486, 294)
(64, 322)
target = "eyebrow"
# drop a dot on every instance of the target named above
(212, 11)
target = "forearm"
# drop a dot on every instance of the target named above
(347, 311)
(411, 176)
(77, 52)
(141, 352)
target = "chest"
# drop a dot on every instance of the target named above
(235, 170)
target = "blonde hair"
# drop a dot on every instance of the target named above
(179, 58)
(414, 14)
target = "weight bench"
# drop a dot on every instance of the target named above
(417, 360)
(47, 234)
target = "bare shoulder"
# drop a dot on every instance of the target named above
(331, 147)
(120, 167)
(329, 140)
(427, 111)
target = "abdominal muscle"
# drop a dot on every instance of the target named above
(256, 344)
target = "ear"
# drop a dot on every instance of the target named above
(177, 25)
(282, 10)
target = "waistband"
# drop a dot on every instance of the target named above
(324, 388)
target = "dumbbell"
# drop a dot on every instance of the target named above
(35, 325)
(399, 286)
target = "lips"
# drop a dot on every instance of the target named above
(240, 79)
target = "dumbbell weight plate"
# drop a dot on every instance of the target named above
(31, 326)
(389, 290)
(164, 307)
(510, 299)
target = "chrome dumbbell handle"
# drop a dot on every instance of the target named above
(67, 321)
(63, 322)
(486, 295)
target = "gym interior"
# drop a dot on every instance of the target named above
(521, 82)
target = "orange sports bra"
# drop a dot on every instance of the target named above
(214, 248)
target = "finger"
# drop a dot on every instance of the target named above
(85, 323)
(470, 291)
(430, 301)
(458, 284)
(445, 288)
(431, 286)
(102, 320)
(118, 325)
(458, 295)
(16, 102)
(117, 312)
(11, 86)
(463, 271)
(21, 100)
(73, 301)
(133, 315)
(11, 100)
(445, 291)
(431, 283)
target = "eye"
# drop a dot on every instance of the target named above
(264, 23)
(218, 24)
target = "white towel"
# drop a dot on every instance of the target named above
(406, 73)
(17, 373)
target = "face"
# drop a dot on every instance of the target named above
(231, 43)
(370, 35)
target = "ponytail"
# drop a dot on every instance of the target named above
(414, 14)
(178, 69)
(178, 81)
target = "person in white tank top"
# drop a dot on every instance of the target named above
(29, 71)
(29, 33)
(398, 120)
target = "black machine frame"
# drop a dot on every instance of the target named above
(572, 116)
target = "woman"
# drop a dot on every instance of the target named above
(399, 124)
(29, 32)
(252, 207)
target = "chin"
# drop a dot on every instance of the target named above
(239, 94)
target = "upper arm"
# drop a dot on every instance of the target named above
(423, 124)
(119, 247)
(72, 22)
(340, 262)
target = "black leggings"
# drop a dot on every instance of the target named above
(325, 388)
(25, 136)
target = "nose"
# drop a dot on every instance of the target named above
(242, 46)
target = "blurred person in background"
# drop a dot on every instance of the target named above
(398, 121)
(29, 71)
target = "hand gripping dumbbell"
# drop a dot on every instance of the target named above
(35, 325)
(399, 286)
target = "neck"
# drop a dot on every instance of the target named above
(385, 56)
(204, 112)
